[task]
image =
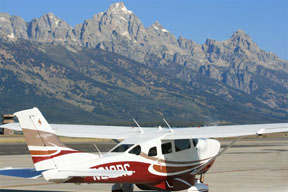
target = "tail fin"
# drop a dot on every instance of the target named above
(44, 146)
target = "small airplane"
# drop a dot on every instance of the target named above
(151, 158)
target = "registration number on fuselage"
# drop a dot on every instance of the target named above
(117, 167)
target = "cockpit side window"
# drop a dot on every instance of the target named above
(122, 148)
(195, 142)
(166, 148)
(136, 150)
(182, 144)
(152, 151)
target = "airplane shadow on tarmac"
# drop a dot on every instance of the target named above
(13, 190)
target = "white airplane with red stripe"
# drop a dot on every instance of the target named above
(151, 158)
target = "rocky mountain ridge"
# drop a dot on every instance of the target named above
(120, 25)
(234, 64)
(96, 86)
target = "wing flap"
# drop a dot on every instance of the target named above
(95, 131)
(86, 131)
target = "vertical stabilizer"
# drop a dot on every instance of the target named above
(44, 146)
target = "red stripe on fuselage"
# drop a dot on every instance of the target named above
(42, 152)
(171, 169)
(38, 159)
(140, 175)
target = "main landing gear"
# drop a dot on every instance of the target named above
(199, 185)
(122, 187)
(202, 178)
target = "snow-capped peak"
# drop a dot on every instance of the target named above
(157, 26)
(53, 18)
(11, 36)
(164, 30)
(3, 19)
(119, 7)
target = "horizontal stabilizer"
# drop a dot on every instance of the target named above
(28, 173)
(12, 126)
(56, 175)
(95, 173)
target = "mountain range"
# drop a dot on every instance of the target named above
(112, 69)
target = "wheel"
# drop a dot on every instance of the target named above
(122, 187)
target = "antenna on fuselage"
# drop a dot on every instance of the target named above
(141, 130)
(171, 130)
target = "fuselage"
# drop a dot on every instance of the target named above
(154, 162)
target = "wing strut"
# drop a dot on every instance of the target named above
(100, 154)
(171, 130)
(212, 159)
(141, 130)
(229, 146)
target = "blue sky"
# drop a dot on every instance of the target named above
(266, 21)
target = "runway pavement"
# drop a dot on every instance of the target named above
(258, 165)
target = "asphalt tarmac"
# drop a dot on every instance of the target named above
(258, 165)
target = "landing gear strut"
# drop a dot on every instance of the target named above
(199, 185)
(202, 178)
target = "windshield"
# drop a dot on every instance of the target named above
(136, 150)
(122, 148)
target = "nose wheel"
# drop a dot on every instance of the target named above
(198, 187)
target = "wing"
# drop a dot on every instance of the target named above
(122, 132)
(226, 131)
(96, 131)
(87, 131)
